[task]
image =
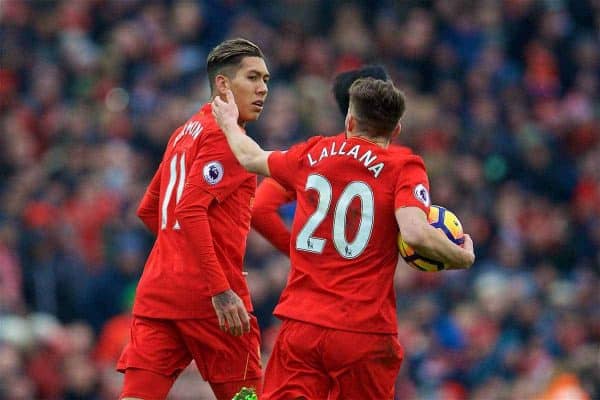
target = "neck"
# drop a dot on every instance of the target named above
(381, 141)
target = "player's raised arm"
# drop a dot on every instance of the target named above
(430, 242)
(247, 151)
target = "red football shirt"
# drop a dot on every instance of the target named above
(199, 204)
(343, 239)
(270, 196)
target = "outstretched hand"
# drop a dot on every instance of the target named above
(231, 312)
(225, 112)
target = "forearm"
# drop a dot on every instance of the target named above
(429, 241)
(197, 235)
(271, 227)
(435, 245)
(270, 196)
(247, 151)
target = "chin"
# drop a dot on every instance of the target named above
(249, 117)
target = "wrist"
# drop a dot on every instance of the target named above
(230, 127)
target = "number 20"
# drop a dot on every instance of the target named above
(349, 250)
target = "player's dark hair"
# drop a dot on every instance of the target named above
(227, 56)
(343, 81)
(377, 105)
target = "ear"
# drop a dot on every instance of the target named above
(350, 122)
(221, 85)
(396, 130)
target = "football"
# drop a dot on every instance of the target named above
(447, 222)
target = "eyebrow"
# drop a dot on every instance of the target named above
(255, 71)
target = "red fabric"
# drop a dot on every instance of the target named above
(312, 362)
(166, 347)
(203, 221)
(353, 291)
(148, 208)
(147, 385)
(270, 196)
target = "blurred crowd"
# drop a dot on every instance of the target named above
(503, 103)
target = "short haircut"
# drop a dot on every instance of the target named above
(227, 56)
(343, 81)
(377, 105)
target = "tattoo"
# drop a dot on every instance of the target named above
(225, 299)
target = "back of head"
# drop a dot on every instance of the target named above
(376, 105)
(226, 57)
(343, 81)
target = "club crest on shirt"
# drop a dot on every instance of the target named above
(422, 194)
(213, 172)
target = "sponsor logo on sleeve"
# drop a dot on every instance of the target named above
(213, 172)
(422, 194)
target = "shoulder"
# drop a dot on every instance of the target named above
(406, 161)
(307, 145)
(204, 118)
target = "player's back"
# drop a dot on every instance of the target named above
(344, 234)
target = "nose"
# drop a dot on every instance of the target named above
(262, 88)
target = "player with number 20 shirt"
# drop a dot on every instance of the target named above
(338, 336)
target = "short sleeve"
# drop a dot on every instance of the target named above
(285, 165)
(412, 187)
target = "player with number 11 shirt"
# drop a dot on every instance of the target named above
(192, 302)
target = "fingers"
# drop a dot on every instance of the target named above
(245, 320)
(222, 324)
(217, 103)
(234, 323)
(229, 96)
(468, 246)
(237, 321)
(468, 243)
(231, 313)
(237, 324)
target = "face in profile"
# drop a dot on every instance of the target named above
(249, 87)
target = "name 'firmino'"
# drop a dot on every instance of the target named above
(366, 158)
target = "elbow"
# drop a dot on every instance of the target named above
(187, 215)
(249, 162)
(143, 213)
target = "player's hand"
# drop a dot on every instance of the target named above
(470, 252)
(225, 112)
(231, 312)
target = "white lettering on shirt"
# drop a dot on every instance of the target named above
(192, 128)
(367, 158)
